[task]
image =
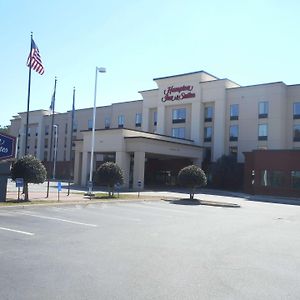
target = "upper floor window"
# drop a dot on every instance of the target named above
(121, 121)
(233, 151)
(296, 133)
(296, 110)
(208, 114)
(75, 126)
(207, 134)
(234, 112)
(179, 115)
(29, 129)
(138, 120)
(262, 132)
(66, 128)
(178, 132)
(90, 124)
(46, 143)
(107, 122)
(233, 133)
(155, 118)
(263, 109)
(36, 131)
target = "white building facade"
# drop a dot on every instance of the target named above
(189, 118)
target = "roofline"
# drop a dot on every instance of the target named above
(165, 141)
(248, 86)
(185, 74)
(148, 90)
(116, 128)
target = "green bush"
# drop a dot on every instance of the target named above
(30, 169)
(110, 174)
(191, 177)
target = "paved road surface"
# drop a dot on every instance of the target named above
(150, 250)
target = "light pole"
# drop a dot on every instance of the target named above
(90, 183)
(55, 150)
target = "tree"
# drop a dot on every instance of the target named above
(30, 169)
(191, 177)
(110, 174)
(227, 173)
(4, 129)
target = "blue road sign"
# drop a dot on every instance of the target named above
(7, 146)
(19, 182)
(59, 186)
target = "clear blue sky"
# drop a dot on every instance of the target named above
(248, 42)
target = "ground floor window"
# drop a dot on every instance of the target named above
(272, 178)
(295, 176)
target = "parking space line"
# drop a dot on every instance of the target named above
(17, 231)
(58, 219)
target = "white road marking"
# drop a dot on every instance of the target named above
(17, 231)
(58, 219)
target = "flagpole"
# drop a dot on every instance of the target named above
(71, 142)
(28, 97)
(50, 174)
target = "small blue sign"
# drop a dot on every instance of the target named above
(59, 186)
(19, 182)
(7, 146)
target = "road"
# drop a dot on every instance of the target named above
(150, 250)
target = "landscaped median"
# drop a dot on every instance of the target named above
(81, 198)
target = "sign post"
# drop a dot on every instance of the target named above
(139, 187)
(58, 190)
(19, 184)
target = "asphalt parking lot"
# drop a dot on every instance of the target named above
(150, 250)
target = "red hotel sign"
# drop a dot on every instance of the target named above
(178, 93)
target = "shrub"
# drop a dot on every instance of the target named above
(30, 169)
(191, 177)
(110, 174)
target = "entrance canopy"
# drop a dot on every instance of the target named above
(130, 148)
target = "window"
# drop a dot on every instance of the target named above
(36, 131)
(263, 109)
(233, 151)
(178, 132)
(207, 134)
(35, 143)
(138, 120)
(46, 143)
(66, 128)
(65, 155)
(208, 114)
(155, 118)
(178, 115)
(75, 126)
(233, 133)
(297, 133)
(296, 110)
(66, 141)
(90, 124)
(262, 132)
(272, 178)
(45, 155)
(29, 131)
(46, 129)
(295, 179)
(234, 112)
(121, 121)
(107, 122)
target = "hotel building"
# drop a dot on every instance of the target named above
(188, 118)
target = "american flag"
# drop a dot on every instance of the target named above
(34, 60)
